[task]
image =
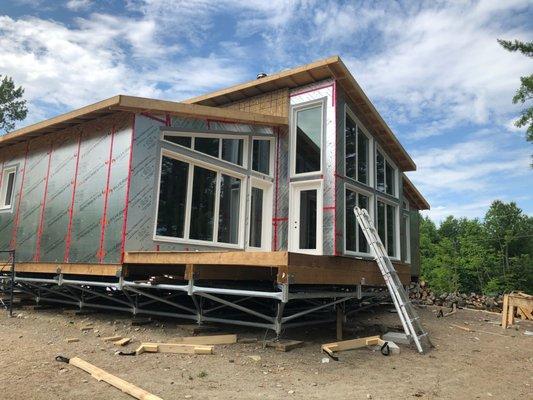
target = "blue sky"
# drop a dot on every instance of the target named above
(433, 69)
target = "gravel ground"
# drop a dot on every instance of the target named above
(487, 362)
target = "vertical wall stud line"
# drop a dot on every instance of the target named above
(127, 201)
(71, 209)
(101, 251)
(37, 255)
(17, 214)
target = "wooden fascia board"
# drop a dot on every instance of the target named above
(130, 103)
(263, 81)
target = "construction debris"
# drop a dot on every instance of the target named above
(284, 345)
(212, 339)
(179, 348)
(519, 303)
(386, 347)
(111, 338)
(122, 342)
(101, 375)
(72, 340)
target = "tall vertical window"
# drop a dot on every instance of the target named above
(308, 219)
(256, 217)
(387, 226)
(355, 238)
(261, 156)
(198, 203)
(357, 146)
(7, 187)
(385, 175)
(406, 234)
(308, 140)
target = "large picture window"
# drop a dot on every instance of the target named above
(357, 149)
(386, 219)
(355, 240)
(308, 140)
(213, 197)
(385, 175)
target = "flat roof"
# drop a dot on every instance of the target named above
(136, 104)
(331, 67)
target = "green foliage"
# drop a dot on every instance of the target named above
(525, 91)
(489, 256)
(12, 106)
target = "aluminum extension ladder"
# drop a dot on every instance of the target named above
(410, 319)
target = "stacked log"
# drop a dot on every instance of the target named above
(422, 294)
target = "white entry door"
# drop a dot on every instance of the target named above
(305, 222)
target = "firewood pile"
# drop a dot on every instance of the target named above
(420, 293)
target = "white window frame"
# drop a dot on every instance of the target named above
(396, 173)
(3, 187)
(272, 155)
(397, 243)
(219, 171)
(364, 131)
(219, 136)
(293, 244)
(266, 229)
(370, 195)
(292, 141)
(406, 219)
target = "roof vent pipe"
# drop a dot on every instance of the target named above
(261, 75)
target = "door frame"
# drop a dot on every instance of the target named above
(294, 216)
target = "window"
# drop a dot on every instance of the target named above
(7, 187)
(385, 175)
(256, 217)
(406, 234)
(308, 219)
(198, 203)
(308, 140)
(357, 147)
(231, 149)
(261, 155)
(260, 215)
(355, 240)
(387, 226)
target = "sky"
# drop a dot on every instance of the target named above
(433, 70)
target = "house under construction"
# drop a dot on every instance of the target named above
(235, 206)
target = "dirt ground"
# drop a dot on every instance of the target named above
(486, 363)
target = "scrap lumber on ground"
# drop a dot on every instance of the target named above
(179, 348)
(211, 339)
(331, 348)
(122, 342)
(101, 375)
(284, 345)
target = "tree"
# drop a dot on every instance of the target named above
(12, 105)
(525, 91)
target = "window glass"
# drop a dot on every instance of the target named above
(391, 230)
(308, 215)
(380, 172)
(229, 208)
(363, 145)
(389, 175)
(207, 146)
(363, 245)
(256, 217)
(203, 204)
(382, 223)
(351, 142)
(406, 239)
(308, 139)
(184, 141)
(172, 197)
(351, 201)
(232, 150)
(261, 156)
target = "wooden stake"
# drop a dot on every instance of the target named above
(101, 375)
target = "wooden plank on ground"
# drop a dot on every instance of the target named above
(212, 339)
(101, 375)
(111, 338)
(122, 342)
(179, 348)
(352, 344)
(284, 345)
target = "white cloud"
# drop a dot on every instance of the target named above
(79, 5)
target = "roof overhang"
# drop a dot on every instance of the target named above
(137, 104)
(413, 195)
(331, 67)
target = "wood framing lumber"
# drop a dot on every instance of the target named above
(72, 340)
(111, 338)
(101, 375)
(69, 268)
(179, 348)
(207, 340)
(352, 344)
(122, 342)
(284, 345)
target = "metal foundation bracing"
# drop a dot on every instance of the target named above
(276, 308)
